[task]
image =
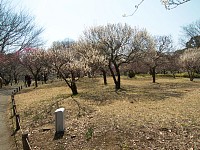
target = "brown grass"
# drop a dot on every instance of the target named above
(142, 115)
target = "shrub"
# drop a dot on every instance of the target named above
(131, 74)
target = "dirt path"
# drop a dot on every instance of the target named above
(6, 141)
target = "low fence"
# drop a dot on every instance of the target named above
(16, 117)
(21, 137)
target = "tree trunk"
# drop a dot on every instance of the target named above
(36, 79)
(15, 78)
(36, 83)
(74, 89)
(116, 81)
(1, 82)
(104, 76)
(6, 82)
(174, 76)
(191, 75)
(153, 74)
(73, 85)
(164, 71)
(89, 74)
(16, 81)
(117, 85)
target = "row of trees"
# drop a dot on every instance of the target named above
(111, 49)
(17, 31)
(191, 54)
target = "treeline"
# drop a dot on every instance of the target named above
(111, 49)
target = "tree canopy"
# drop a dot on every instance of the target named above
(17, 29)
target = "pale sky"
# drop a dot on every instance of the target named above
(64, 19)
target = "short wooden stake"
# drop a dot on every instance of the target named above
(14, 109)
(25, 142)
(17, 122)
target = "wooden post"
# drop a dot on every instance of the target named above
(17, 122)
(12, 96)
(14, 109)
(13, 101)
(25, 142)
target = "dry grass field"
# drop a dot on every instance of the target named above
(142, 115)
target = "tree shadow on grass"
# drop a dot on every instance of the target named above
(155, 91)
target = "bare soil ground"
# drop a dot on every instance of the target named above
(142, 115)
(6, 141)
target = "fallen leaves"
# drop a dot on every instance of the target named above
(142, 116)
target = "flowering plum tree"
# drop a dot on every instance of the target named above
(190, 61)
(10, 68)
(67, 61)
(155, 51)
(173, 65)
(115, 42)
(34, 60)
(93, 57)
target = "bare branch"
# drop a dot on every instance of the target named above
(189, 32)
(17, 30)
(136, 8)
(169, 4)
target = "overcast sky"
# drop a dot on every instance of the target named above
(63, 19)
